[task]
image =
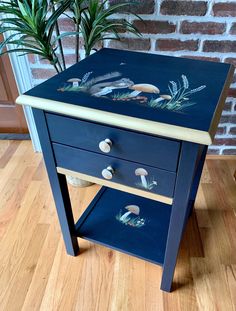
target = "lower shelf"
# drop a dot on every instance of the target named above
(127, 223)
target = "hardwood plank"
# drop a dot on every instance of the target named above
(19, 287)
(121, 291)
(36, 290)
(202, 285)
(61, 286)
(230, 272)
(3, 146)
(214, 252)
(11, 199)
(201, 211)
(36, 274)
(8, 153)
(12, 254)
(154, 300)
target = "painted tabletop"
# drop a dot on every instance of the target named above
(168, 90)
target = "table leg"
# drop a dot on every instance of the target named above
(196, 179)
(185, 175)
(58, 186)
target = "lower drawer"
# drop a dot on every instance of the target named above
(124, 172)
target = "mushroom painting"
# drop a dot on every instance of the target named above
(142, 173)
(145, 183)
(131, 216)
(132, 209)
(74, 81)
(177, 95)
(146, 88)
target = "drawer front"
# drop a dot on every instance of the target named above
(127, 145)
(127, 173)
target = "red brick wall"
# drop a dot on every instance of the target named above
(194, 29)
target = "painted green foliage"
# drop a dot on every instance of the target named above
(116, 88)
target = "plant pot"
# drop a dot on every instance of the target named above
(77, 182)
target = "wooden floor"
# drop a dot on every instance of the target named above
(36, 273)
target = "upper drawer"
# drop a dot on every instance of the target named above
(132, 146)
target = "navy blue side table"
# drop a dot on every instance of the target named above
(138, 124)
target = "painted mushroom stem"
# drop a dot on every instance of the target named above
(125, 216)
(158, 100)
(132, 209)
(142, 173)
(161, 98)
(135, 93)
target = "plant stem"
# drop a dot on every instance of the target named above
(77, 43)
(60, 47)
(54, 65)
(87, 53)
(59, 64)
(59, 41)
(55, 62)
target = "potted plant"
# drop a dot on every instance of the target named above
(31, 27)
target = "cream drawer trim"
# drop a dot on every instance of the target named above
(108, 118)
(99, 181)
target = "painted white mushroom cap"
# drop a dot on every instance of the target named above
(146, 88)
(141, 172)
(74, 80)
(133, 209)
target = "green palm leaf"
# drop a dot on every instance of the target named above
(96, 23)
(31, 24)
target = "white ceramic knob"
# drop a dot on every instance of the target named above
(108, 173)
(105, 145)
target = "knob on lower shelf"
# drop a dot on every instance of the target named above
(108, 173)
(105, 145)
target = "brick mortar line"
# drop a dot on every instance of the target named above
(217, 37)
(226, 124)
(191, 36)
(176, 32)
(193, 53)
(178, 25)
(200, 46)
(233, 99)
(223, 138)
(209, 8)
(224, 147)
(220, 1)
(228, 26)
(153, 45)
(228, 113)
(175, 18)
(157, 8)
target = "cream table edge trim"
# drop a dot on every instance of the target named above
(148, 195)
(146, 126)
(221, 103)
